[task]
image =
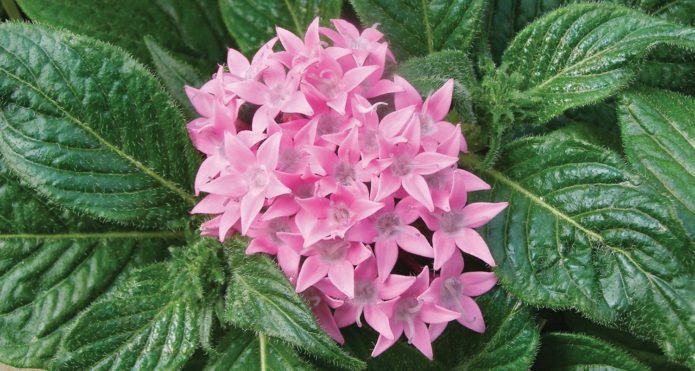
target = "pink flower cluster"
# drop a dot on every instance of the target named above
(333, 188)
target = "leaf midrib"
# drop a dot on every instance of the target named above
(151, 173)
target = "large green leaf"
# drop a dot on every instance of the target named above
(147, 324)
(416, 28)
(252, 23)
(261, 299)
(510, 342)
(429, 73)
(507, 17)
(52, 266)
(192, 27)
(566, 351)
(175, 73)
(241, 350)
(658, 130)
(582, 54)
(91, 129)
(580, 233)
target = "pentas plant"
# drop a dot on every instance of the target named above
(325, 161)
(225, 184)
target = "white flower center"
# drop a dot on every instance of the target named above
(451, 222)
(401, 166)
(332, 251)
(341, 215)
(344, 173)
(387, 225)
(258, 177)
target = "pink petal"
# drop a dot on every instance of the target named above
(417, 187)
(263, 119)
(473, 182)
(432, 313)
(251, 205)
(479, 213)
(378, 320)
(409, 96)
(386, 255)
(342, 275)
(237, 63)
(288, 259)
(472, 243)
(436, 329)
(477, 283)
(338, 102)
(439, 103)
(395, 122)
(311, 272)
(395, 285)
(261, 245)
(327, 323)
(269, 150)
(229, 218)
(355, 76)
(411, 240)
(357, 253)
(444, 248)
(387, 184)
(345, 315)
(430, 162)
(471, 316)
(297, 103)
(236, 151)
(228, 185)
(290, 41)
(282, 206)
(421, 339)
(383, 343)
(211, 204)
(250, 91)
(453, 266)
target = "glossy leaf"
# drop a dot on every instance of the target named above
(510, 342)
(429, 73)
(252, 23)
(174, 73)
(191, 27)
(261, 299)
(147, 324)
(580, 233)
(91, 129)
(52, 266)
(416, 28)
(658, 130)
(566, 351)
(241, 350)
(582, 54)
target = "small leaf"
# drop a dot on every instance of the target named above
(566, 351)
(582, 54)
(261, 299)
(52, 266)
(191, 27)
(429, 73)
(147, 324)
(175, 73)
(252, 23)
(242, 350)
(416, 28)
(89, 128)
(658, 130)
(580, 233)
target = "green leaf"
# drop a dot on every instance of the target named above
(175, 73)
(429, 73)
(89, 128)
(658, 133)
(52, 266)
(646, 352)
(580, 233)
(510, 342)
(252, 23)
(191, 27)
(261, 299)
(242, 350)
(416, 28)
(595, 132)
(582, 54)
(147, 324)
(566, 351)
